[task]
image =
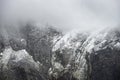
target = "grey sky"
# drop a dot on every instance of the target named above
(65, 14)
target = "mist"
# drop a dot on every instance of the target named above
(64, 14)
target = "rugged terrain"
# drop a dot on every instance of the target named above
(49, 54)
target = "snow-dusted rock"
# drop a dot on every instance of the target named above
(20, 64)
(79, 49)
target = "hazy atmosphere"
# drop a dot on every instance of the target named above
(59, 39)
(63, 14)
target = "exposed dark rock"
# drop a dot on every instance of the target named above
(106, 65)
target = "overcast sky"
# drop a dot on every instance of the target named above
(64, 14)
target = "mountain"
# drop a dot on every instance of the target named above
(49, 54)
(88, 56)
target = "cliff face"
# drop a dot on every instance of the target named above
(105, 60)
(48, 54)
(93, 56)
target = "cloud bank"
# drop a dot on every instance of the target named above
(64, 14)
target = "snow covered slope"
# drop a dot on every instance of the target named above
(72, 52)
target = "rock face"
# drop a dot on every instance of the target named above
(87, 57)
(68, 57)
(18, 65)
(105, 60)
(48, 54)
(39, 45)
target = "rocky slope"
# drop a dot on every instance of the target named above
(87, 57)
(48, 54)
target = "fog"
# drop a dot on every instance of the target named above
(63, 14)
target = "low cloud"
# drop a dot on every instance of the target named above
(63, 14)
